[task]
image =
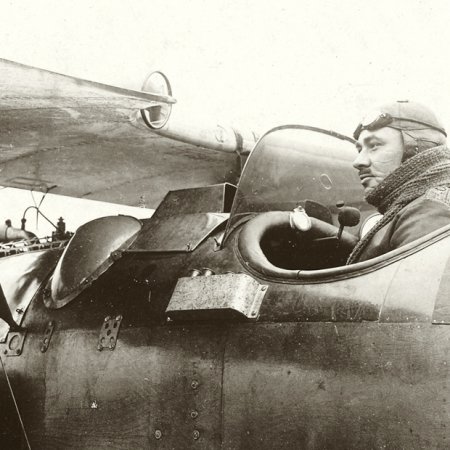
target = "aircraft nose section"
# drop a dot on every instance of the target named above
(91, 251)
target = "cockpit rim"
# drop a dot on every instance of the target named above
(342, 272)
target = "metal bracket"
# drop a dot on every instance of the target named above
(14, 343)
(109, 332)
(231, 296)
(47, 336)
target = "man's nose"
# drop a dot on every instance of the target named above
(362, 160)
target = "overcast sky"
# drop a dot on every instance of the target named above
(254, 63)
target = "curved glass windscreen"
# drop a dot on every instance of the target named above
(294, 165)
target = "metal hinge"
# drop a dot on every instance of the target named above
(109, 332)
(47, 336)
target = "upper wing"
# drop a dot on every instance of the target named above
(76, 138)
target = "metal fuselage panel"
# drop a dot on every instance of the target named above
(299, 385)
(347, 381)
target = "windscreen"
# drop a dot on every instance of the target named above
(292, 164)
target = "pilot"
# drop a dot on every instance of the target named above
(404, 167)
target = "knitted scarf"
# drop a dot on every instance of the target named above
(429, 168)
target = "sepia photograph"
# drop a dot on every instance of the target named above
(224, 225)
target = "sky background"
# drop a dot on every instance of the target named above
(247, 63)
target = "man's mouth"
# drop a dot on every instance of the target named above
(365, 176)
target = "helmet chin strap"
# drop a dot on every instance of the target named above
(410, 145)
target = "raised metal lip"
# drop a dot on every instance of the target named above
(350, 271)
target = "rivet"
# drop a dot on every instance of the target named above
(207, 272)
(19, 311)
(107, 319)
(118, 318)
(263, 288)
(116, 255)
(194, 384)
(99, 347)
(158, 434)
(194, 414)
(196, 434)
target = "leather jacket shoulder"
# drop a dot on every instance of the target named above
(422, 216)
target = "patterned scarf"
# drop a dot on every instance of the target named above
(429, 168)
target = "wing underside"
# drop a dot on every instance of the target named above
(78, 140)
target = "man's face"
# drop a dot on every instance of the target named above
(380, 153)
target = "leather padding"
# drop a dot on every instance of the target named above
(249, 241)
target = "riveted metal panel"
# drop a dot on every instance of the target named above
(233, 295)
(20, 277)
(337, 386)
(160, 388)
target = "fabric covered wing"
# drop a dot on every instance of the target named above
(79, 141)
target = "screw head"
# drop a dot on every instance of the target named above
(18, 351)
(194, 414)
(196, 434)
(115, 255)
(194, 384)
(158, 434)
